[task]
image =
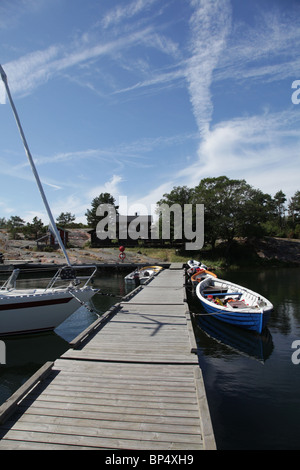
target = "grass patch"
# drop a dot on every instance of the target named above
(173, 255)
(236, 256)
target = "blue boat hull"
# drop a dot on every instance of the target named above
(249, 321)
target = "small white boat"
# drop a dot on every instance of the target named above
(34, 310)
(234, 304)
(192, 263)
(140, 276)
(194, 267)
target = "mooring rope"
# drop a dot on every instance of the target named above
(109, 295)
(206, 314)
(83, 304)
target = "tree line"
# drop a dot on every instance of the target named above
(232, 208)
(36, 229)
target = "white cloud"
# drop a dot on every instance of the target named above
(31, 70)
(28, 216)
(6, 208)
(111, 186)
(210, 24)
(145, 204)
(34, 69)
(156, 79)
(126, 12)
(262, 149)
(265, 51)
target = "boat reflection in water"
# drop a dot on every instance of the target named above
(247, 343)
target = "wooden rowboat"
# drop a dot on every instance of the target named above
(234, 304)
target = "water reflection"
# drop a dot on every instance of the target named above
(247, 343)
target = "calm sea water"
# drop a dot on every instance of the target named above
(251, 382)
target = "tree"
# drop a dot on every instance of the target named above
(232, 208)
(103, 198)
(294, 215)
(279, 200)
(179, 196)
(65, 219)
(36, 229)
(294, 207)
(14, 224)
(3, 222)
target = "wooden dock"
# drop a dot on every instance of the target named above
(132, 381)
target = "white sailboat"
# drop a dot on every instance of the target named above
(34, 310)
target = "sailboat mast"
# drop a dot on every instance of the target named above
(52, 222)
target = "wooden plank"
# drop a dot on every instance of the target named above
(171, 372)
(109, 418)
(176, 266)
(110, 427)
(132, 358)
(10, 444)
(112, 410)
(206, 425)
(98, 442)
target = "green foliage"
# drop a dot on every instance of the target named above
(233, 209)
(179, 195)
(34, 230)
(65, 219)
(14, 225)
(91, 214)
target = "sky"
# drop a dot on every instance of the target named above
(135, 97)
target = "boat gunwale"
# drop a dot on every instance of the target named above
(231, 310)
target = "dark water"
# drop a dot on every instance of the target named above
(252, 385)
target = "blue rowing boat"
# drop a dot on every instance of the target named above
(234, 304)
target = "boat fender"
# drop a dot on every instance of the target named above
(192, 270)
(200, 270)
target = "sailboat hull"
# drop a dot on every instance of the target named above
(44, 311)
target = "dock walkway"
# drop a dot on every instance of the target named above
(131, 382)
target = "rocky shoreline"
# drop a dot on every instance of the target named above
(25, 252)
(278, 249)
